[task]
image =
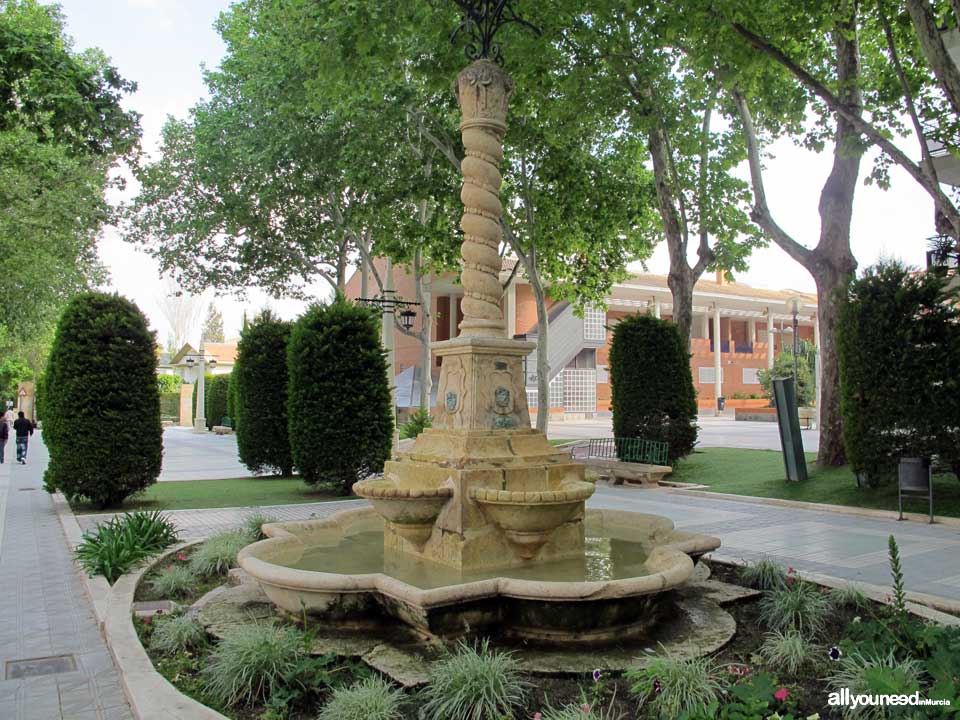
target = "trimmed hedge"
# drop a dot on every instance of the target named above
(651, 384)
(169, 383)
(214, 398)
(260, 396)
(898, 345)
(341, 424)
(101, 405)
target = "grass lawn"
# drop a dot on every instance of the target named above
(760, 473)
(237, 492)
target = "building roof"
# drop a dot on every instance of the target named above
(223, 353)
(724, 288)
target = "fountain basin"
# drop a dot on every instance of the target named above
(412, 510)
(619, 593)
(528, 518)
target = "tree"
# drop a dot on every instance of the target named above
(215, 399)
(101, 404)
(12, 373)
(260, 383)
(212, 331)
(61, 128)
(652, 393)
(339, 406)
(181, 311)
(783, 367)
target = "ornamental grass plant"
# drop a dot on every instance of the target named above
(173, 581)
(669, 686)
(177, 634)
(800, 606)
(474, 683)
(219, 553)
(764, 574)
(789, 651)
(370, 699)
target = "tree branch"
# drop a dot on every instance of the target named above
(944, 69)
(943, 203)
(760, 213)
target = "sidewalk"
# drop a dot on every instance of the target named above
(45, 615)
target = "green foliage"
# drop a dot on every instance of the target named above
(418, 422)
(789, 651)
(764, 574)
(340, 417)
(651, 384)
(215, 391)
(898, 324)
(896, 573)
(175, 634)
(875, 675)
(849, 596)
(800, 606)
(102, 409)
(218, 553)
(232, 397)
(474, 683)
(117, 546)
(260, 400)
(783, 367)
(253, 523)
(667, 686)
(212, 331)
(371, 699)
(173, 581)
(250, 662)
(12, 372)
(169, 384)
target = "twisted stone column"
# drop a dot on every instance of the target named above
(483, 90)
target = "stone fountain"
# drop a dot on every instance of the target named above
(482, 524)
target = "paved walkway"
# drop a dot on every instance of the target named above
(191, 456)
(44, 611)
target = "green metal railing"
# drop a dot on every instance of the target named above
(638, 450)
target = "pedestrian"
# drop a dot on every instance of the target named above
(24, 429)
(4, 436)
(8, 416)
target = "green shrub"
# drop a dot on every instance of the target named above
(874, 674)
(215, 398)
(783, 367)
(764, 574)
(175, 634)
(232, 397)
(260, 402)
(218, 553)
(670, 686)
(894, 323)
(801, 607)
(341, 421)
(169, 384)
(173, 581)
(250, 662)
(474, 683)
(652, 393)
(371, 699)
(253, 523)
(789, 651)
(117, 546)
(102, 408)
(418, 422)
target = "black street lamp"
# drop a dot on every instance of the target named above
(480, 20)
(794, 305)
(389, 305)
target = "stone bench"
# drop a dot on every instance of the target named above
(222, 430)
(621, 472)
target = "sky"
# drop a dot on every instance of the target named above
(163, 45)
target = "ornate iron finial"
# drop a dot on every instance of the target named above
(480, 20)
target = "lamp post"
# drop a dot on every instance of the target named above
(794, 306)
(200, 421)
(389, 305)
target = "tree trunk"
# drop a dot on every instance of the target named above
(681, 282)
(942, 65)
(543, 364)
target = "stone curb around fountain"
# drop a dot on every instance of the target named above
(145, 689)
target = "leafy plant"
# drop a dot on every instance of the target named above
(251, 661)
(789, 651)
(177, 634)
(117, 546)
(651, 384)
(764, 574)
(849, 595)
(173, 581)
(370, 699)
(418, 422)
(896, 572)
(219, 553)
(875, 674)
(800, 606)
(474, 683)
(669, 686)
(586, 709)
(101, 378)
(253, 523)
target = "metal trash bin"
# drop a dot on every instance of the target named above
(915, 479)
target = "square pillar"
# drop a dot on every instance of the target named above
(717, 369)
(770, 339)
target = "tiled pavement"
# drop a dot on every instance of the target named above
(44, 611)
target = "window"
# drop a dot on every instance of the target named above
(751, 376)
(603, 375)
(706, 375)
(579, 390)
(593, 324)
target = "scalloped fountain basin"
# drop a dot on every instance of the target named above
(411, 509)
(337, 569)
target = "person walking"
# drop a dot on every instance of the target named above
(24, 429)
(4, 436)
(8, 417)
